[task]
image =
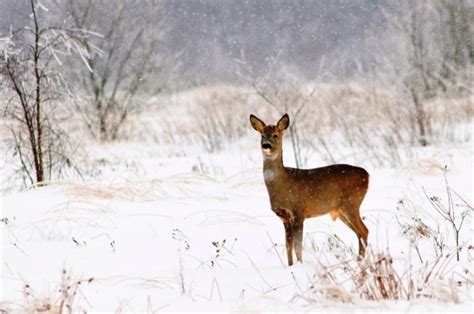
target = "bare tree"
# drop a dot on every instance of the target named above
(29, 65)
(127, 65)
(456, 44)
(435, 55)
(286, 92)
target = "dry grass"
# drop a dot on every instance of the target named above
(377, 124)
(380, 277)
(141, 191)
(359, 121)
(66, 298)
(129, 192)
(425, 166)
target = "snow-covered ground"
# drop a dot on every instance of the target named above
(194, 232)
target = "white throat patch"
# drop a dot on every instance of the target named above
(268, 175)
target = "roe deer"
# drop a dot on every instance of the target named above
(297, 194)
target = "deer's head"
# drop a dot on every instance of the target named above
(272, 135)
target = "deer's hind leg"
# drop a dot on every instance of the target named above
(350, 215)
(357, 225)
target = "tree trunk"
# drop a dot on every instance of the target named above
(420, 116)
(39, 127)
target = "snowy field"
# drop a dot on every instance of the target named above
(174, 228)
(131, 179)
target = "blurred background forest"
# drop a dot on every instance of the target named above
(207, 41)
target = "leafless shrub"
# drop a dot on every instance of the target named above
(30, 69)
(67, 299)
(182, 243)
(417, 223)
(454, 210)
(412, 225)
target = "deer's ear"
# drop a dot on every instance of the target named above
(284, 122)
(256, 123)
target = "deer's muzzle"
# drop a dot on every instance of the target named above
(267, 148)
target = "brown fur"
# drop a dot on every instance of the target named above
(297, 194)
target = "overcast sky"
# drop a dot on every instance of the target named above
(214, 38)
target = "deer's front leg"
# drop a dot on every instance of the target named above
(287, 218)
(298, 238)
(289, 240)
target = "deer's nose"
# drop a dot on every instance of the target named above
(266, 145)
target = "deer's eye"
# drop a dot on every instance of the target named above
(275, 136)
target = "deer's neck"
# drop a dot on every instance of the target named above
(273, 169)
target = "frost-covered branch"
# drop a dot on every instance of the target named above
(31, 69)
